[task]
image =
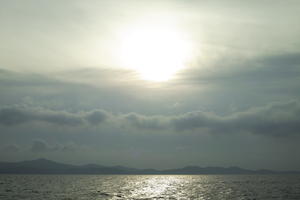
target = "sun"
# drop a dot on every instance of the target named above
(157, 53)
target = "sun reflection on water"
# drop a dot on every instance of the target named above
(157, 186)
(134, 187)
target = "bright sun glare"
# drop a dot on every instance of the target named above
(155, 52)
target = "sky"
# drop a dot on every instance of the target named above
(151, 84)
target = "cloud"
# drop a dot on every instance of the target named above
(11, 148)
(145, 122)
(69, 147)
(21, 114)
(96, 117)
(40, 146)
(274, 119)
(265, 69)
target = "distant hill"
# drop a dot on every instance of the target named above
(44, 166)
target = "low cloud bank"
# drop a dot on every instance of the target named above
(274, 119)
(15, 115)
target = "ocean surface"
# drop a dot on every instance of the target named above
(68, 187)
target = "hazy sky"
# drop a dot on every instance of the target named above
(67, 94)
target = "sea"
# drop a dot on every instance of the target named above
(89, 187)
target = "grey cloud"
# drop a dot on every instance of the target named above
(77, 90)
(282, 60)
(105, 76)
(241, 82)
(274, 119)
(96, 116)
(145, 122)
(22, 114)
(11, 148)
(40, 146)
(69, 147)
(263, 69)
(196, 119)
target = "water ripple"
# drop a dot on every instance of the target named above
(143, 187)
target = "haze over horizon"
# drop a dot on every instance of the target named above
(151, 84)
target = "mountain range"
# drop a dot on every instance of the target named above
(44, 166)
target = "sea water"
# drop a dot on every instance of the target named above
(68, 187)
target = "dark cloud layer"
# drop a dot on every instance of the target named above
(145, 122)
(259, 71)
(10, 148)
(275, 119)
(40, 146)
(21, 114)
